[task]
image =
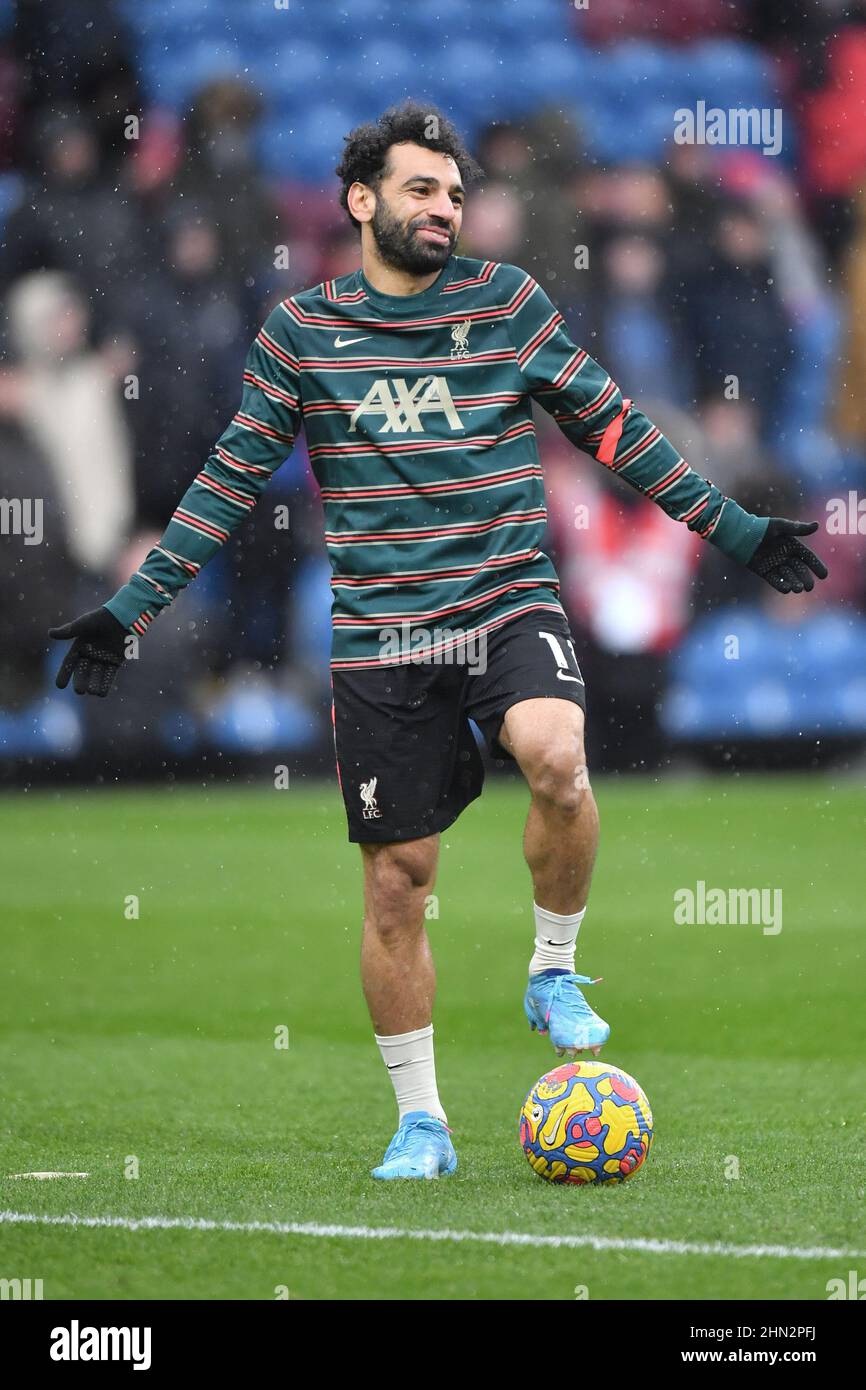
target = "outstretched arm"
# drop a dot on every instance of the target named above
(246, 456)
(590, 410)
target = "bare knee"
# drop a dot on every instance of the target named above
(558, 777)
(397, 881)
(546, 738)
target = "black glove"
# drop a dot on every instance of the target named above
(95, 654)
(784, 561)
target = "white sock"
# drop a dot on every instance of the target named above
(555, 938)
(412, 1069)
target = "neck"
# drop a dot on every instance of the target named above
(387, 279)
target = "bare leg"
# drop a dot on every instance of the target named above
(560, 842)
(561, 836)
(397, 970)
(399, 979)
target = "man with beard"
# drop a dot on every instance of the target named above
(414, 378)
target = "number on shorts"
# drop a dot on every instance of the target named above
(562, 668)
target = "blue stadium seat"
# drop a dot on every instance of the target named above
(383, 60)
(521, 18)
(343, 23)
(50, 726)
(615, 135)
(174, 74)
(650, 83)
(658, 125)
(442, 20)
(292, 71)
(311, 591)
(849, 705)
(170, 19)
(816, 462)
(552, 70)
(638, 67)
(261, 719)
(263, 31)
(307, 146)
(729, 72)
(785, 680)
(626, 95)
(471, 76)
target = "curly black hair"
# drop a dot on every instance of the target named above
(365, 157)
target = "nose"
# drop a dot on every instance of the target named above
(442, 207)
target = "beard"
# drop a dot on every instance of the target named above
(400, 247)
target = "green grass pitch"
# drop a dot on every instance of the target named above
(149, 1043)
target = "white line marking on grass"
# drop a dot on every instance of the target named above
(637, 1244)
(49, 1175)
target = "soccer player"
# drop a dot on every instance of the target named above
(414, 379)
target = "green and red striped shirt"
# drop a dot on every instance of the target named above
(418, 419)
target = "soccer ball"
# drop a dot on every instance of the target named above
(586, 1122)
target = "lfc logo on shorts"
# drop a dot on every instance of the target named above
(368, 796)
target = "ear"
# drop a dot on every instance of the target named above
(362, 202)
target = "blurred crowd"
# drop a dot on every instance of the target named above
(142, 247)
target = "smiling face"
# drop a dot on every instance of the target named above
(415, 212)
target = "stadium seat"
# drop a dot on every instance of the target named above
(173, 75)
(615, 135)
(260, 719)
(159, 13)
(50, 726)
(442, 20)
(553, 70)
(639, 68)
(292, 72)
(520, 18)
(384, 59)
(470, 78)
(731, 73)
(305, 146)
(335, 24)
(311, 592)
(784, 681)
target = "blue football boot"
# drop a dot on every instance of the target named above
(555, 1005)
(421, 1148)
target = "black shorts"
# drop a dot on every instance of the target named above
(407, 757)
